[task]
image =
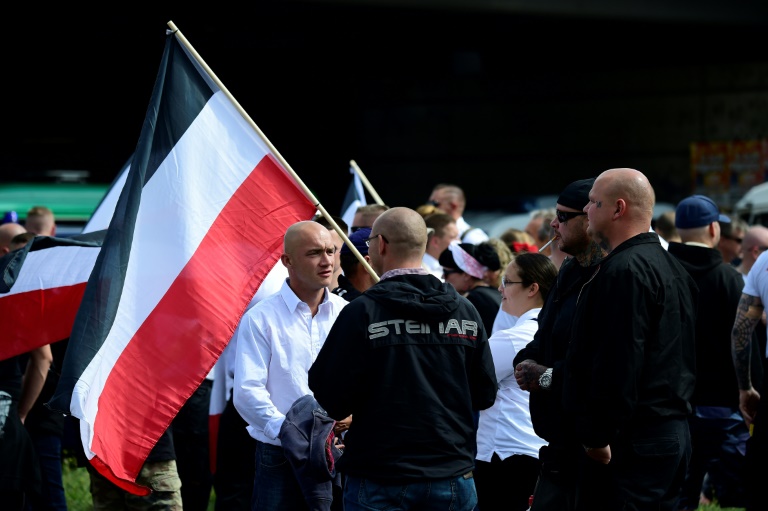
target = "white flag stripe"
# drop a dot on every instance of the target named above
(73, 266)
(160, 250)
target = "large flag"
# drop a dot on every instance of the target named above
(198, 226)
(41, 288)
(354, 198)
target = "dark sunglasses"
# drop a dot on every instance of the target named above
(564, 216)
(734, 238)
(447, 272)
(356, 228)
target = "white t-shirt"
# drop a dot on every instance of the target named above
(756, 282)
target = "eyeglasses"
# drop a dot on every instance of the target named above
(368, 241)
(434, 203)
(505, 281)
(564, 216)
(734, 238)
(356, 228)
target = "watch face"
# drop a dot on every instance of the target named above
(546, 379)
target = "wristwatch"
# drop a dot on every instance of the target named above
(545, 380)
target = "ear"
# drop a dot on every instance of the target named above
(286, 260)
(621, 208)
(533, 289)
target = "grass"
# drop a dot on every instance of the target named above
(77, 487)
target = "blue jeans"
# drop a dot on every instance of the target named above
(48, 448)
(456, 494)
(275, 487)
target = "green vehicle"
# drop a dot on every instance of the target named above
(72, 203)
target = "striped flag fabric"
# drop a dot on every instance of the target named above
(354, 198)
(196, 229)
(41, 288)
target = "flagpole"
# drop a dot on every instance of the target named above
(274, 151)
(366, 182)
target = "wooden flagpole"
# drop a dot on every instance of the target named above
(365, 181)
(274, 151)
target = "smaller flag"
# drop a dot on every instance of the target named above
(41, 288)
(354, 198)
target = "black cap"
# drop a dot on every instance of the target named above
(576, 194)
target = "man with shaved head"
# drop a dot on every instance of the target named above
(416, 363)
(630, 367)
(277, 341)
(7, 233)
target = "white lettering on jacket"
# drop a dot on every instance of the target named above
(453, 327)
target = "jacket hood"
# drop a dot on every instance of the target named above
(695, 259)
(416, 296)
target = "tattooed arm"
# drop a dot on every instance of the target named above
(748, 315)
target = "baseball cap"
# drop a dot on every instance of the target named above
(576, 194)
(358, 240)
(697, 211)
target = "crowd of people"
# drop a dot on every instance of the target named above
(598, 359)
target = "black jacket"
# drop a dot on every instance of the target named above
(549, 346)
(631, 359)
(410, 360)
(720, 287)
(307, 439)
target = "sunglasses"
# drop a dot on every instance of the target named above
(356, 228)
(564, 216)
(734, 238)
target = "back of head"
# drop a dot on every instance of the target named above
(349, 261)
(7, 232)
(322, 220)
(428, 209)
(693, 217)
(518, 241)
(505, 256)
(665, 226)
(365, 215)
(405, 232)
(438, 222)
(40, 220)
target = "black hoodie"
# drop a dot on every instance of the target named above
(720, 287)
(410, 360)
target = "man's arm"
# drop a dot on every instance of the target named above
(748, 314)
(39, 363)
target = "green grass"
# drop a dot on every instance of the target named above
(77, 487)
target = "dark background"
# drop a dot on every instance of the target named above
(507, 99)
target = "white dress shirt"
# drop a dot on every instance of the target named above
(433, 266)
(505, 428)
(277, 342)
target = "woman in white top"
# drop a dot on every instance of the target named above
(507, 461)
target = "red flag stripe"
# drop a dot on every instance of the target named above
(181, 335)
(35, 318)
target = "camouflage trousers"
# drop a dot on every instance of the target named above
(161, 476)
